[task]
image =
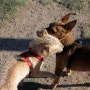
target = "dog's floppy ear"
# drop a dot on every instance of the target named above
(46, 50)
(70, 25)
(65, 18)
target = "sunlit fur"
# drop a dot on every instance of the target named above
(19, 69)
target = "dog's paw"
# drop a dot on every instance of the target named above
(68, 72)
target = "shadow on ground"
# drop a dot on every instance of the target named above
(86, 41)
(36, 86)
(11, 44)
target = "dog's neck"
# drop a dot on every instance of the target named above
(68, 39)
(76, 44)
(31, 57)
(34, 61)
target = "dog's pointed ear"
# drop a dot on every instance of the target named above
(46, 50)
(70, 25)
(66, 18)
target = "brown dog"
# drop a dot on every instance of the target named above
(73, 58)
(62, 30)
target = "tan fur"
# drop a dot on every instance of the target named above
(20, 69)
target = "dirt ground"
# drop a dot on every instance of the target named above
(17, 33)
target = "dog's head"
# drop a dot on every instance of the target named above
(46, 45)
(61, 29)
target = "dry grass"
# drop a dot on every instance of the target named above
(45, 2)
(8, 8)
(85, 30)
(70, 4)
(74, 4)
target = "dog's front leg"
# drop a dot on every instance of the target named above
(38, 73)
(43, 74)
(55, 83)
(46, 74)
(58, 71)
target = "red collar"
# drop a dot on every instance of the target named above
(26, 54)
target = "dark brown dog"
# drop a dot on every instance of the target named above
(73, 58)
